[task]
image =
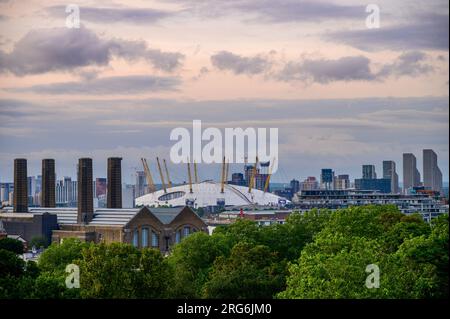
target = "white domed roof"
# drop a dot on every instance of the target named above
(208, 193)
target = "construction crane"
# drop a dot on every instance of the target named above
(190, 177)
(252, 177)
(223, 176)
(148, 176)
(169, 182)
(161, 175)
(266, 186)
(195, 172)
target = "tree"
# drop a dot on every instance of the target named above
(10, 264)
(413, 261)
(122, 271)
(251, 271)
(57, 256)
(12, 245)
(192, 259)
(39, 242)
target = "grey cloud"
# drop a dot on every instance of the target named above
(425, 32)
(408, 64)
(108, 85)
(353, 68)
(294, 10)
(225, 60)
(277, 11)
(114, 15)
(63, 49)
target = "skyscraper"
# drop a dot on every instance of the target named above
(432, 175)
(140, 184)
(326, 178)
(342, 182)
(368, 172)
(411, 175)
(389, 172)
(100, 186)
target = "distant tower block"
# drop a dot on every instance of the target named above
(20, 199)
(85, 191)
(114, 188)
(48, 183)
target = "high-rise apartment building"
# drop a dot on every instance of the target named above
(411, 175)
(140, 186)
(432, 175)
(389, 172)
(326, 178)
(368, 172)
(342, 182)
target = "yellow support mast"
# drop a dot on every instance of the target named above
(226, 172)
(169, 182)
(148, 175)
(266, 186)
(252, 177)
(161, 175)
(223, 176)
(195, 172)
(190, 177)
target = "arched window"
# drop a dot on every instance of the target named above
(155, 240)
(144, 239)
(186, 231)
(178, 236)
(136, 238)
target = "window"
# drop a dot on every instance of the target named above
(178, 236)
(136, 238)
(144, 239)
(186, 231)
(155, 239)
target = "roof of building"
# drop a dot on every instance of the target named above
(102, 216)
(209, 193)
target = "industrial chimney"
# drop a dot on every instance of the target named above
(114, 187)
(20, 199)
(48, 183)
(85, 191)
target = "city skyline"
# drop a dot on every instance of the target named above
(341, 94)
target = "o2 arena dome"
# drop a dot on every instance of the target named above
(208, 193)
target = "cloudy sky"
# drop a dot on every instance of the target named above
(341, 94)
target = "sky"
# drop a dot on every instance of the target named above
(341, 94)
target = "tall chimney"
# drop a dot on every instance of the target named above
(20, 199)
(114, 187)
(48, 183)
(85, 191)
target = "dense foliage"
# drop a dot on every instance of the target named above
(318, 254)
